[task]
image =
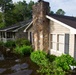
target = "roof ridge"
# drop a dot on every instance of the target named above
(64, 16)
(70, 21)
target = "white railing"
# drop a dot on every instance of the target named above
(6, 39)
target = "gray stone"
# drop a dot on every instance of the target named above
(1, 57)
(24, 72)
(24, 66)
(40, 26)
(2, 70)
(16, 67)
(17, 60)
(8, 49)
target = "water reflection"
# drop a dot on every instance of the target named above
(1, 56)
(20, 66)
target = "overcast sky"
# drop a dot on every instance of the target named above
(69, 6)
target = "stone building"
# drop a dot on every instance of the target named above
(52, 33)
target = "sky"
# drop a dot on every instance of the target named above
(69, 6)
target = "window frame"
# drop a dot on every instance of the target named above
(57, 42)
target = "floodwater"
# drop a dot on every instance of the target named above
(11, 64)
(20, 66)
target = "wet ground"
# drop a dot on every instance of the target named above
(18, 66)
(11, 64)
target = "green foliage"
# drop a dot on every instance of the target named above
(23, 50)
(17, 50)
(22, 41)
(51, 69)
(52, 65)
(60, 12)
(10, 44)
(46, 67)
(2, 25)
(1, 43)
(23, 47)
(57, 70)
(27, 50)
(14, 13)
(51, 57)
(39, 57)
(64, 61)
(6, 8)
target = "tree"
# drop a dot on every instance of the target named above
(23, 9)
(13, 13)
(6, 7)
(31, 3)
(52, 12)
(60, 12)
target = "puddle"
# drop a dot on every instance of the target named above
(20, 66)
(2, 70)
(24, 72)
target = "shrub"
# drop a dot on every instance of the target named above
(51, 57)
(9, 44)
(39, 57)
(46, 67)
(22, 42)
(18, 51)
(1, 43)
(64, 61)
(22, 50)
(26, 49)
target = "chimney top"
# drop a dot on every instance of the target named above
(40, 0)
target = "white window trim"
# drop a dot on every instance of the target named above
(56, 42)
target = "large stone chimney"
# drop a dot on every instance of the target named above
(41, 26)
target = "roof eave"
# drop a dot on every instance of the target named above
(72, 30)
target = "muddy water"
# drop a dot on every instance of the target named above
(15, 65)
(11, 64)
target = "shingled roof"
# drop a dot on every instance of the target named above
(71, 21)
(16, 26)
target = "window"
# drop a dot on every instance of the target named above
(9, 34)
(60, 42)
(53, 41)
(57, 42)
(67, 43)
(2, 34)
(30, 37)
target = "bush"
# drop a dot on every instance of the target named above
(22, 42)
(27, 49)
(10, 44)
(1, 43)
(39, 57)
(17, 50)
(51, 57)
(22, 50)
(64, 61)
(46, 67)
(57, 66)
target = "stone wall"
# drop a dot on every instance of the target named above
(41, 26)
